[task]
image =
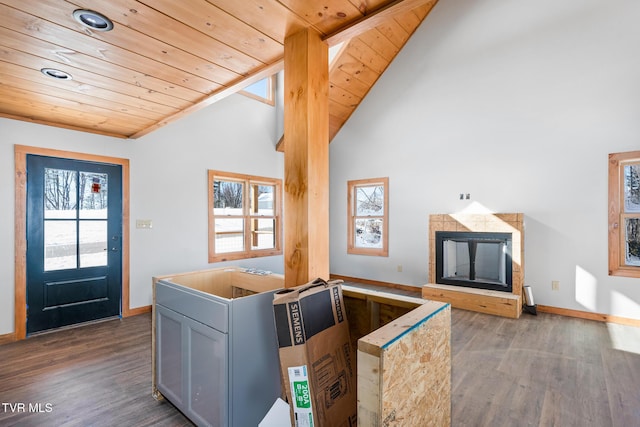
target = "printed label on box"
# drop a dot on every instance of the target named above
(301, 396)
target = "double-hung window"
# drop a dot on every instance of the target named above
(368, 217)
(624, 214)
(244, 216)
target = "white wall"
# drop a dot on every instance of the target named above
(517, 103)
(168, 185)
(170, 171)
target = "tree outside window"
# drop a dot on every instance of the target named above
(75, 219)
(624, 214)
(368, 214)
(244, 216)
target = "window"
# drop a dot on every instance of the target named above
(244, 216)
(368, 217)
(624, 214)
(75, 219)
(262, 90)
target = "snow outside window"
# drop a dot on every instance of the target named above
(368, 217)
(244, 216)
(624, 214)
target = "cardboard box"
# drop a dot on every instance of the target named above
(316, 358)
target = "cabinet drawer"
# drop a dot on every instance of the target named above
(197, 305)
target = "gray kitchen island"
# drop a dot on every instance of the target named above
(215, 353)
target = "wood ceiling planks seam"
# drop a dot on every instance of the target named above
(363, 61)
(165, 59)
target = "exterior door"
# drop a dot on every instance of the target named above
(74, 242)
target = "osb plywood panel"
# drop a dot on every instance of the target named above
(358, 317)
(388, 313)
(404, 370)
(365, 315)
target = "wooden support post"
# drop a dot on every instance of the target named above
(306, 168)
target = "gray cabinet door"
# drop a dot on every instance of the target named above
(169, 355)
(206, 374)
(192, 367)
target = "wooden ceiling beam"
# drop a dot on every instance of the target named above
(217, 95)
(374, 19)
(280, 144)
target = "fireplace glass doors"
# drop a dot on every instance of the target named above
(474, 259)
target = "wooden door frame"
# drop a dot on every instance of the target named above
(20, 213)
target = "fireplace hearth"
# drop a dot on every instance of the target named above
(474, 259)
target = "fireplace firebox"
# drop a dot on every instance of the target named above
(474, 259)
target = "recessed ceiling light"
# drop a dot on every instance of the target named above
(56, 74)
(93, 20)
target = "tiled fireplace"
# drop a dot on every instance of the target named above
(476, 238)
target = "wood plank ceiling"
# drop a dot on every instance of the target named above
(166, 58)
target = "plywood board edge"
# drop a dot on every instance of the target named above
(388, 334)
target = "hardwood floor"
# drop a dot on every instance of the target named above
(544, 370)
(93, 375)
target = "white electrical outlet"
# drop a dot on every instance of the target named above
(399, 269)
(555, 285)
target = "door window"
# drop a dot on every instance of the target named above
(75, 219)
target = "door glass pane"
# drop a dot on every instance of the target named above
(632, 244)
(262, 234)
(368, 233)
(229, 235)
(60, 245)
(60, 199)
(93, 195)
(369, 200)
(227, 198)
(262, 197)
(93, 243)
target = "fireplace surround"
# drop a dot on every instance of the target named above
(492, 301)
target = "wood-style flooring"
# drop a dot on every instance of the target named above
(544, 370)
(93, 375)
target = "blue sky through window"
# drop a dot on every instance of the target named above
(260, 88)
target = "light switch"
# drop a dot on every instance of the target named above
(144, 223)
